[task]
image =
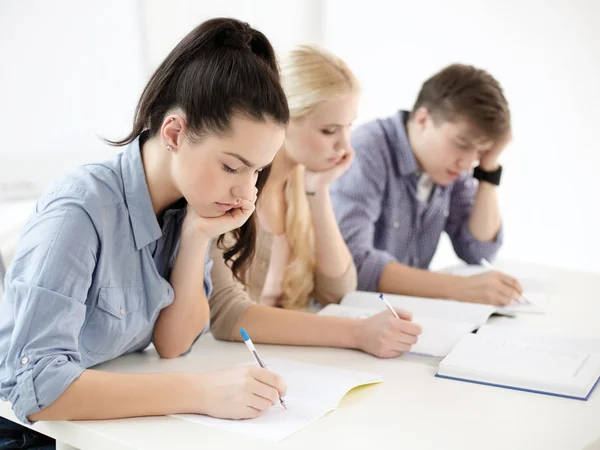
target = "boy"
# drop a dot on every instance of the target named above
(413, 178)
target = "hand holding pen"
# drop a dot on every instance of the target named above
(252, 349)
(485, 263)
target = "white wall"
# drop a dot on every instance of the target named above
(285, 23)
(71, 72)
(546, 54)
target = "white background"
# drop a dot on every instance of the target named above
(72, 71)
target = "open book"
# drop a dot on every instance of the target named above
(579, 340)
(509, 362)
(313, 391)
(444, 322)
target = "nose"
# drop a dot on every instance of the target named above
(343, 143)
(244, 189)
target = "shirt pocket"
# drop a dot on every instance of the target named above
(116, 321)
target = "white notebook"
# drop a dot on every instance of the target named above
(313, 391)
(437, 339)
(564, 338)
(538, 304)
(514, 364)
(474, 313)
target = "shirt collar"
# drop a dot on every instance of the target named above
(144, 223)
(407, 163)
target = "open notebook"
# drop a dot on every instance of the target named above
(313, 391)
(513, 363)
(444, 322)
(578, 340)
(437, 339)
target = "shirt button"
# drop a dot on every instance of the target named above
(24, 360)
(122, 311)
(396, 224)
(446, 213)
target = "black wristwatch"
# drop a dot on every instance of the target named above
(490, 177)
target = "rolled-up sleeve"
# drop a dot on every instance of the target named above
(466, 246)
(356, 199)
(43, 308)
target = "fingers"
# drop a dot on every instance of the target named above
(510, 282)
(404, 314)
(406, 339)
(270, 379)
(348, 157)
(250, 413)
(246, 208)
(408, 327)
(503, 296)
(401, 348)
(264, 392)
(393, 351)
(258, 402)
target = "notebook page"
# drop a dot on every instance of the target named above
(538, 304)
(515, 360)
(562, 338)
(437, 339)
(351, 312)
(439, 336)
(313, 391)
(476, 314)
(274, 424)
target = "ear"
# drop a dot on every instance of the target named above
(171, 131)
(421, 117)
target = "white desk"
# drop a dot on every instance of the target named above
(411, 409)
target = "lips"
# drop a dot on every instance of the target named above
(224, 206)
(452, 174)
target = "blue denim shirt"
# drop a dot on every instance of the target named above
(88, 280)
(380, 216)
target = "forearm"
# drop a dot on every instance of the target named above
(405, 280)
(331, 253)
(180, 323)
(287, 327)
(484, 222)
(99, 395)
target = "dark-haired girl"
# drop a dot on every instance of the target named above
(114, 256)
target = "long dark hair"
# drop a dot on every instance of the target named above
(222, 68)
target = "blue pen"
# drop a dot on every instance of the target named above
(389, 307)
(252, 349)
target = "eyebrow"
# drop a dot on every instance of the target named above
(245, 161)
(241, 158)
(336, 124)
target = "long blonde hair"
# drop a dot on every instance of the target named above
(310, 75)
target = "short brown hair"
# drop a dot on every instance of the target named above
(462, 90)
